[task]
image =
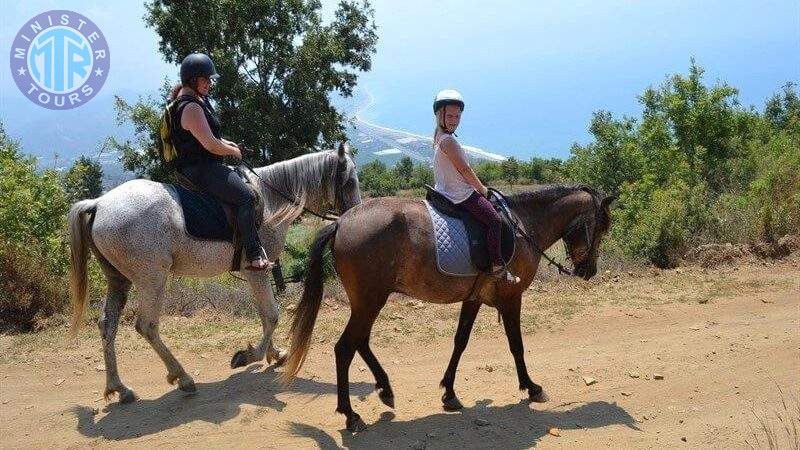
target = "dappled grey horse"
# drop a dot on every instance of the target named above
(138, 234)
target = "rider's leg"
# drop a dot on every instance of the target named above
(482, 209)
(484, 212)
(226, 185)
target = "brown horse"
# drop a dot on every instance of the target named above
(385, 245)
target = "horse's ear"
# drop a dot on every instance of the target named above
(344, 149)
(607, 201)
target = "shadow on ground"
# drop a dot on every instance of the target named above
(215, 402)
(515, 426)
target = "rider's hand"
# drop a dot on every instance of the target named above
(234, 144)
(237, 154)
(483, 191)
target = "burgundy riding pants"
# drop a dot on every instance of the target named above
(481, 209)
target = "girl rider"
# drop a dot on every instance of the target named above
(456, 180)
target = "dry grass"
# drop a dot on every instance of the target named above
(779, 428)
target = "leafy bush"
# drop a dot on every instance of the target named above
(295, 258)
(420, 176)
(83, 180)
(33, 207)
(488, 171)
(696, 168)
(29, 292)
(378, 181)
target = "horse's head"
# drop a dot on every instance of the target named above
(584, 234)
(344, 192)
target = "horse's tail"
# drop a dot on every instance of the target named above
(79, 246)
(307, 309)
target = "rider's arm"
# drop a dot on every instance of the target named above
(448, 147)
(194, 120)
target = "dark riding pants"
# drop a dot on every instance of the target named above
(482, 209)
(227, 186)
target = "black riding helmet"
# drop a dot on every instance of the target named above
(197, 65)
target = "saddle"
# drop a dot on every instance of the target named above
(210, 219)
(478, 250)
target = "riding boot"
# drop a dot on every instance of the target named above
(247, 229)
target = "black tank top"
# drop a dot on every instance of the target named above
(189, 149)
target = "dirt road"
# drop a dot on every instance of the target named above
(722, 347)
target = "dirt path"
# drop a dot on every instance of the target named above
(721, 360)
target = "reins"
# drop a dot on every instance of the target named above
(293, 200)
(517, 227)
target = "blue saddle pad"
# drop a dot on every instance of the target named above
(204, 216)
(452, 244)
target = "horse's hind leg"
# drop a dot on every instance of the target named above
(381, 378)
(510, 311)
(118, 288)
(364, 310)
(153, 291)
(469, 310)
(268, 313)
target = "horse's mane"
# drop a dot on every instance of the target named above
(548, 194)
(301, 176)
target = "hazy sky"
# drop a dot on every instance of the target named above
(532, 72)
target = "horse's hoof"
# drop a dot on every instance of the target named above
(451, 403)
(127, 396)
(355, 424)
(539, 397)
(187, 386)
(280, 358)
(387, 397)
(239, 359)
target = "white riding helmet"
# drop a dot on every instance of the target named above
(448, 97)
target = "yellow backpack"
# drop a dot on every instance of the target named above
(166, 146)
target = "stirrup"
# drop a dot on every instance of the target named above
(263, 256)
(253, 268)
(502, 273)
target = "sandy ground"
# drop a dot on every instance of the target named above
(723, 354)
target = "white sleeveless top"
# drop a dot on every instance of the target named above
(447, 179)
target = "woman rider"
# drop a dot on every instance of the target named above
(200, 148)
(455, 179)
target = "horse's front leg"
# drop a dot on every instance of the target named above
(510, 311)
(469, 310)
(268, 313)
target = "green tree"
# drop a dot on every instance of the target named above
(421, 175)
(141, 153)
(694, 166)
(377, 181)
(707, 123)
(404, 170)
(83, 180)
(612, 159)
(33, 206)
(510, 170)
(278, 63)
(488, 171)
(783, 110)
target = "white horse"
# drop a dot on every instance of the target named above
(138, 234)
